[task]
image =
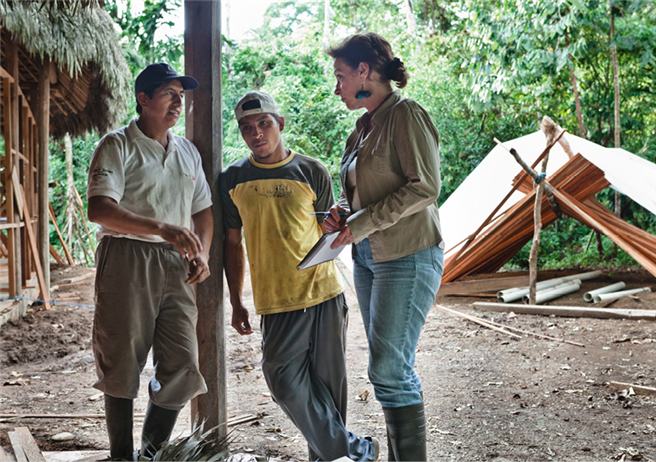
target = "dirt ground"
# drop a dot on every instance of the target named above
(488, 397)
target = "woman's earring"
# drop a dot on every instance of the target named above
(363, 93)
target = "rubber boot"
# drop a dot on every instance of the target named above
(406, 433)
(157, 429)
(118, 415)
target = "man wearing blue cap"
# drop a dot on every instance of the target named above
(148, 192)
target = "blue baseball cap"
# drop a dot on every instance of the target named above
(160, 73)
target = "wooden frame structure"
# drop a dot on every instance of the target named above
(61, 72)
(21, 164)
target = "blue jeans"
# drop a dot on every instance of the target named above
(395, 297)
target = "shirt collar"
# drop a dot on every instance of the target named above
(285, 161)
(134, 133)
(381, 112)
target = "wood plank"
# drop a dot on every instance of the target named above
(568, 311)
(483, 285)
(56, 256)
(16, 445)
(30, 447)
(42, 113)
(9, 189)
(3, 456)
(45, 294)
(53, 219)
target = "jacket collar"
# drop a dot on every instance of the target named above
(380, 113)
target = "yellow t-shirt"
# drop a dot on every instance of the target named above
(273, 202)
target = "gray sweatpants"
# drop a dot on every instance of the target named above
(304, 365)
(143, 302)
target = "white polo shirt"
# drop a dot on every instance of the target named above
(145, 179)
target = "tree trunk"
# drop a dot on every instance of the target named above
(410, 16)
(616, 80)
(69, 227)
(577, 99)
(326, 24)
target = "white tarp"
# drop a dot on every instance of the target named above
(483, 190)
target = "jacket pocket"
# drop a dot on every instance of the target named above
(380, 160)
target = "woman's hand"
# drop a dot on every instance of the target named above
(335, 222)
(344, 238)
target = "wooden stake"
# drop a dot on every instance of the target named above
(480, 321)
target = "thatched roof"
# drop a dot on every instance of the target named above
(92, 88)
(59, 4)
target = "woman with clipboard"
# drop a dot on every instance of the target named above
(390, 178)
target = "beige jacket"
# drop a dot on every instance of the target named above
(398, 180)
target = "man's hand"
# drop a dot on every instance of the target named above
(183, 239)
(240, 319)
(199, 270)
(335, 222)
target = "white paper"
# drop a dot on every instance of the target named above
(321, 252)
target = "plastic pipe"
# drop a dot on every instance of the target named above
(589, 296)
(583, 276)
(554, 292)
(518, 292)
(614, 295)
(547, 283)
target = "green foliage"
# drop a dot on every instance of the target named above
(83, 148)
(137, 32)
(482, 69)
(567, 244)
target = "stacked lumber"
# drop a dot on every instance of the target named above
(508, 233)
(574, 185)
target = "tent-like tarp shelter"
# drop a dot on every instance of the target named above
(61, 71)
(575, 181)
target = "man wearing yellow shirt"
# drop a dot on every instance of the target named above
(270, 195)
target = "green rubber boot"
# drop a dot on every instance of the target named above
(406, 433)
(118, 415)
(157, 429)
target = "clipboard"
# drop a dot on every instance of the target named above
(321, 252)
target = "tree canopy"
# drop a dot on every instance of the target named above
(482, 69)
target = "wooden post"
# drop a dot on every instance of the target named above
(42, 115)
(11, 165)
(204, 129)
(537, 229)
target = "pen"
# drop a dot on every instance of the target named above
(341, 214)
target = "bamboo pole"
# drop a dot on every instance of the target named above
(480, 321)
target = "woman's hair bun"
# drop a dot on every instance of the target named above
(395, 70)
